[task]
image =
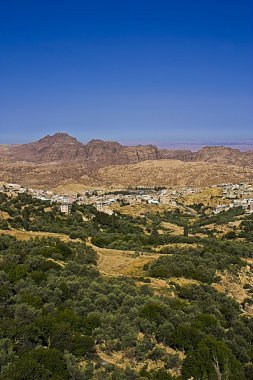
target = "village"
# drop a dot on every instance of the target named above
(222, 197)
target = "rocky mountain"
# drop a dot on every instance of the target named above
(62, 147)
(224, 155)
(61, 158)
(59, 147)
(105, 153)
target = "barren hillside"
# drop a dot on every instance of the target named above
(172, 173)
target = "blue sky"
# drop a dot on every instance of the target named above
(133, 71)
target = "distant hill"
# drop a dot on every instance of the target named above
(62, 158)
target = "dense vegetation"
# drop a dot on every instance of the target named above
(61, 319)
(55, 306)
(201, 263)
(34, 214)
(247, 228)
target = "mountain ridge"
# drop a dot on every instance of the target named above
(61, 146)
(61, 158)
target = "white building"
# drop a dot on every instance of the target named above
(65, 208)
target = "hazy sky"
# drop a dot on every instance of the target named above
(134, 71)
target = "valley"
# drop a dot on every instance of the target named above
(133, 282)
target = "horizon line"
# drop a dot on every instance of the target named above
(246, 143)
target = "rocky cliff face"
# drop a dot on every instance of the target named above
(61, 158)
(112, 153)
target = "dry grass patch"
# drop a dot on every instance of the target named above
(115, 262)
(159, 286)
(208, 196)
(226, 227)
(4, 215)
(70, 188)
(142, 209)
(232, 285)
(59, 262)
(182, 281)
(176, 230)
(178, 246)
(26, 235)
(122, 360)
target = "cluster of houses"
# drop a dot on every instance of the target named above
(65, 201)
(245, 204)
(239, 195)
(102, 200)
(236, 191)
(139, 196)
